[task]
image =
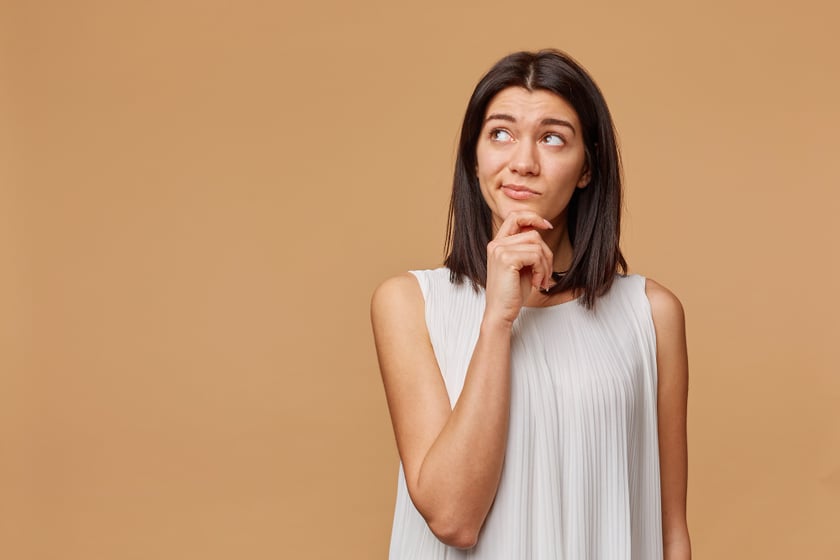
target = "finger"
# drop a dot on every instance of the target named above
(542, 267)
(526, 237)
(516, 221)
(545, 266)
(537, 277)
(548, 263)
(524, 259)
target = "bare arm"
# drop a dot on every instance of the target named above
(672, 398)
(452, 457)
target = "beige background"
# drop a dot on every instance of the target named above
(199, 197)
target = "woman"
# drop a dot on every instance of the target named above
(537, 392)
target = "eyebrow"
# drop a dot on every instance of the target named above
(549, 120)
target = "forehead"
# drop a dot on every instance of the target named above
(525, 105)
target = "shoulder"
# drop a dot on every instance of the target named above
(400, 334)
(669, 326)
(398, 293)
(665, 308)
(397, 314)
(414, 286)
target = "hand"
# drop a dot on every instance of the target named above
(518, 260)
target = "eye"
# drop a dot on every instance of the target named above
(500, 135)
(553, 139)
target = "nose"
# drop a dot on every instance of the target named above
(525, 159)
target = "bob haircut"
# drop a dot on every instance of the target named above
(593, 217)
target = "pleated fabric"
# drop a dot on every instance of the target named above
(581, 472)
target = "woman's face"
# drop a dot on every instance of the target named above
(530, 154)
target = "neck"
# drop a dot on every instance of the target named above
(558, 241)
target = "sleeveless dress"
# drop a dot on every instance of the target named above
(580, 479)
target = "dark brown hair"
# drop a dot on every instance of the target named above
(594, 212)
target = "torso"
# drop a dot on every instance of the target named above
(581, 471)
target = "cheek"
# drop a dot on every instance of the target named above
(482, 171)
(484, 188)
(485, 182)
(488, 167)
(566, 173)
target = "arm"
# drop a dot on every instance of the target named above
(452, 457)
(672, 399)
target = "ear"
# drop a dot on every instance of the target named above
(585, 176)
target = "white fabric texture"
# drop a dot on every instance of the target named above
(581, 472)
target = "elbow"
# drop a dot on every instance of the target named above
(455, 534)
(455, 522)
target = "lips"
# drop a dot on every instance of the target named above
(518, 192)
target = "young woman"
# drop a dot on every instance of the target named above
(538, 392)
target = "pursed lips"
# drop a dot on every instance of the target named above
(518, 192)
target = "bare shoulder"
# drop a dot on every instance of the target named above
(665, 307)
(397, 313)
(396, 295)
(669, 325)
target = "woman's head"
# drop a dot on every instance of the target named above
(593, 212)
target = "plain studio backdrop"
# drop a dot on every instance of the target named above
(198, 199)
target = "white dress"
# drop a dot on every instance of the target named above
(580, 479)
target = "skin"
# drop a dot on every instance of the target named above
(530, 159)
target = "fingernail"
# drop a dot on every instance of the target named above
(548, 224)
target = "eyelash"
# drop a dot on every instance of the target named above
(493, 135)
(562, 140)
(495, 131)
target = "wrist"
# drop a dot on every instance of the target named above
(492, 324)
